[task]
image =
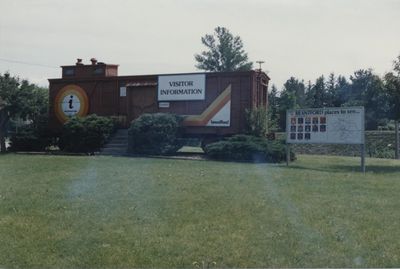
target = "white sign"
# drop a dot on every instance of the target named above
(182, 87)
(163, 105)
(338, 125)
(222, 118)
(70, 105)
(122, 91)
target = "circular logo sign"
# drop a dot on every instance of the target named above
(71, 101)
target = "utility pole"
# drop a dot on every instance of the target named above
(260, 63)
(259, 96)
(396, 132)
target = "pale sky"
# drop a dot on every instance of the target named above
(301, 38)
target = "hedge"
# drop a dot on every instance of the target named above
(248, 148)
(155, 134)
(30, 138)
(86, 134)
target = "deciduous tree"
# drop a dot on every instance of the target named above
(367, 89)
(392, 86)
(19, 99)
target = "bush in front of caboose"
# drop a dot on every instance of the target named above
(34, 136)
(248, 148)
(155, 134)
(86, 134)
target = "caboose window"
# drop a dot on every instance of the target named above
(98, 71)
(69, 72)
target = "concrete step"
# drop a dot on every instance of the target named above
(115, 149)
(119, 139)
(119, 149)
(114, 153)
(122, 132)
(116, 145)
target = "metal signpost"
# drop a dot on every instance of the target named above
(330, 125)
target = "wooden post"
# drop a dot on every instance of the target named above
(362, 158)
(396, 145)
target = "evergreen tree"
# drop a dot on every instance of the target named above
(332, 99)
(273, 102)
(316, 96)
(342, 90)
(297, 88)
(224, 52)
(288, 99)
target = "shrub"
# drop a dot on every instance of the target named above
(85, 134)
(35, 136)
(156, 134)
(248, 148)
(256, 121)
(30, 138)
(380, 149)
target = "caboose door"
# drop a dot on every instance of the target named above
(141, 100)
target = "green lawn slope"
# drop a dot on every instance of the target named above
(92, 212)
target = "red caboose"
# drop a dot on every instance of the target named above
(213, 104)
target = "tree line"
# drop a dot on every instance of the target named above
(380, 96)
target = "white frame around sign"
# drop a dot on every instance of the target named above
(199, 80)
(302, 113)
(362, 142)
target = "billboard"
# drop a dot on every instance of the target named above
(182, 87)
(333, 125)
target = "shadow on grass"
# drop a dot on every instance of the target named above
(378, 169)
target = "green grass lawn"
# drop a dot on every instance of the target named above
(92, 212)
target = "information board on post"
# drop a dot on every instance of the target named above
(338, 125)
(330, 125)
